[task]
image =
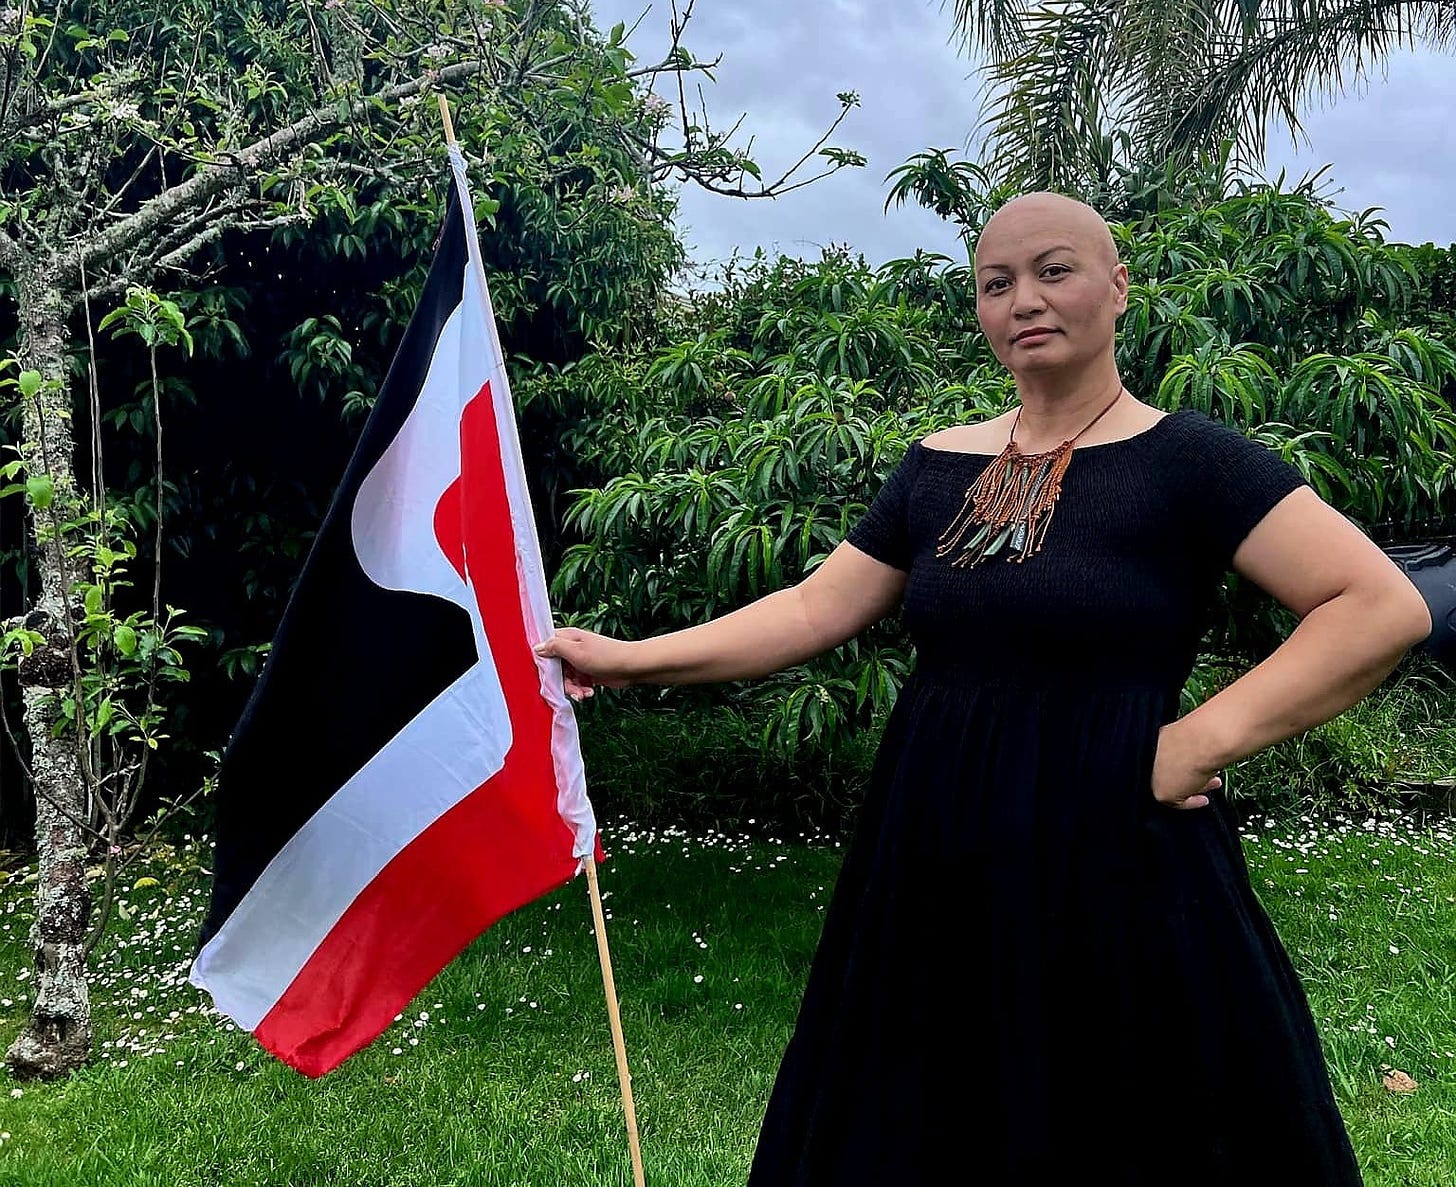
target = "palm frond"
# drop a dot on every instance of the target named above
(1173, 80)
(1046, 118)
(1293, 57)
(997, 26)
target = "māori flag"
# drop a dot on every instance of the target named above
(407, 771)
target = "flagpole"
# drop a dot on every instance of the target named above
(448, 122)
(614, 1016)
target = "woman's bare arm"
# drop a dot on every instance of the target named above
(845, 594)
(1358, 615)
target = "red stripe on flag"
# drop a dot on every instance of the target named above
(502, 846)
(447, 527)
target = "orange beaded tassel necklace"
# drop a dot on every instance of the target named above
(1010, 505)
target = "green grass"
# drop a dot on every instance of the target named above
(505, 1072)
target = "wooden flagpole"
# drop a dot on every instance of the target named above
(614, 1016)
(448, 122)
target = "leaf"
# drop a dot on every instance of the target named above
(30, 383)
(125, 638)
(40, 490)
(1397, 1081)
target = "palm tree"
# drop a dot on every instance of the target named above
(1081, 90)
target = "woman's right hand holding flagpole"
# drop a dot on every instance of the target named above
(842, 597)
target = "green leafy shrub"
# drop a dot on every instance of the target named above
(702, 765)
(1398, 746)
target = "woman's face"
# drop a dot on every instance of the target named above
(1049, 287)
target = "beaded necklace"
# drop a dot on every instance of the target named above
(1010, 505)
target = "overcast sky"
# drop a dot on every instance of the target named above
(784, 60)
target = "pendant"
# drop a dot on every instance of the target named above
(1008, 509)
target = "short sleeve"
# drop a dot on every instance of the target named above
(1236, 482)
(883, 532)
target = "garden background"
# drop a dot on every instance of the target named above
(214, 219)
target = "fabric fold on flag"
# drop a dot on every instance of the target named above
(407, 770)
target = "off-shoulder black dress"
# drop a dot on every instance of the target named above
(1031, 971)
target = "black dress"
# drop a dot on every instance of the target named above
(1031, 971)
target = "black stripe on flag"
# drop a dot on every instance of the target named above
(351, 663)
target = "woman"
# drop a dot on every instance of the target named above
(1044, 961)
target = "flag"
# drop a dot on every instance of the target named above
(407, 770)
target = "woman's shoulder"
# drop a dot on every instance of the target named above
(1193, 428)
(1195, 423)
(981, 436)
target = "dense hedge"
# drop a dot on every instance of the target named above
(733, 457)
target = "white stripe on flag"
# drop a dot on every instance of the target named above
(393, 520)
(432, 764)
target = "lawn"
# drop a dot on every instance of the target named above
(501, 1073)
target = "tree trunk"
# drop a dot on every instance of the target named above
(57, 1040)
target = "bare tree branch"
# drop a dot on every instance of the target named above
(159, 144)
(14, 123)
(818, 144)
(179, 255)
(673, 64)
(664, 162)
(210, 181)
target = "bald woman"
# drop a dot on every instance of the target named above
(1044, 962)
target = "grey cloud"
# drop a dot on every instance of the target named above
(783, 61)
(1392, 145)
